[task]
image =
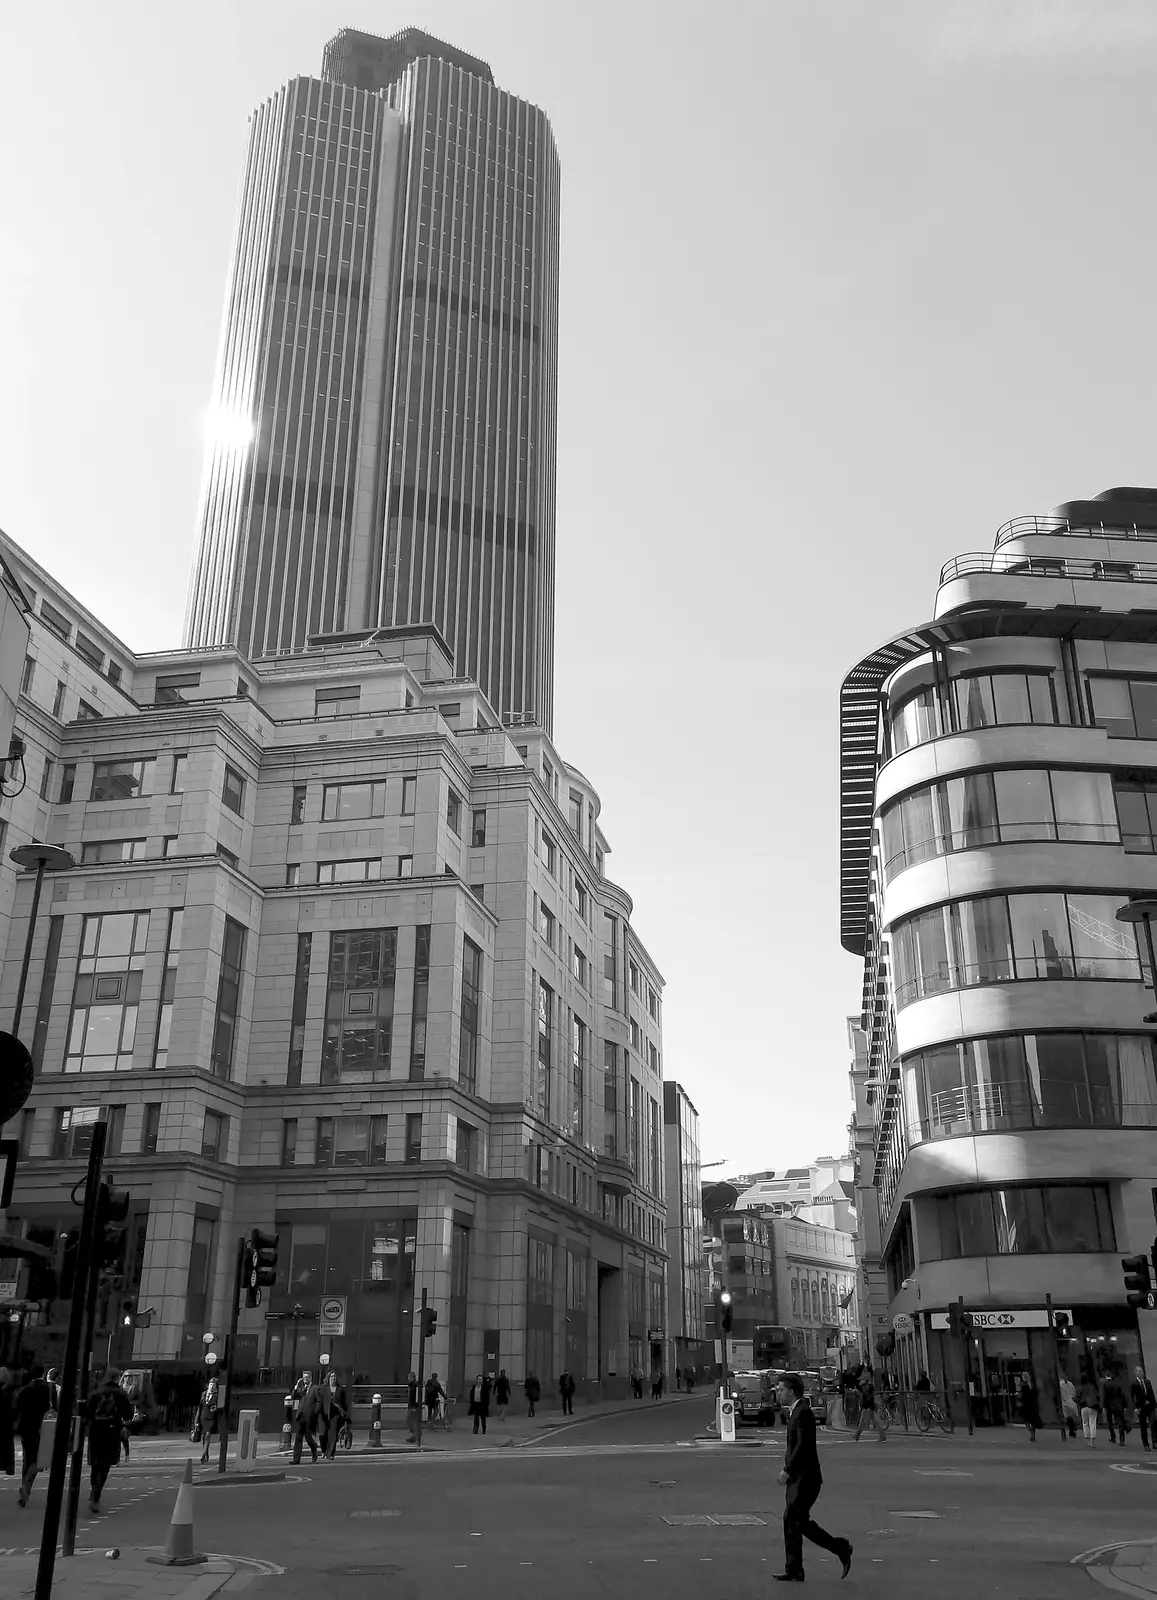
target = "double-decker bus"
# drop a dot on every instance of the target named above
(771, 1347)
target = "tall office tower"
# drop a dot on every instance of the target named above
(382, 448)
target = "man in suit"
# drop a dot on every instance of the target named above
(803, 1479)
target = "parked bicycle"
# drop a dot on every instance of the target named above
(930, 1412)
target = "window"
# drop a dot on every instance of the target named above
(547, 853)
(86, 713)
(361, 871)
(414, 1136)
(167, 690)
(1125, 707)
(611, 962)
(578, 1054)
(150, 1127)
(1062, 1219)
(579, 965)
(215, 1136)
(58, 699)
(634, 973)
(1002, 699)
(89, 649)
(337, 702)
(72, 1132)
(450, 708)
(453, 813)
(126, 779)
(542, 1071)
(1060, 1080)
(292, 874)
(24, 1138)
(985, 808)
(409, 796)
(477, 830)
(652, 1003)
(169, 844)
(297, 805)
(636, 1036)
(359, 1005)
(610, 1098)
(599, 860)
(233, 790)
(288, 1141)
(56, 620)
(350, 802)
(67, 782)
(546, 924)
(300, 1010)
(180, 768)
(350, 1142)
(228, 856)
(421, 1001)
(96, 852)
(228, 1000)
(478, 889)
(107, 992)
(914, 720)
(46, 779)
(201, 1270)
(465, 1141)
(168, 987)
(405, 866)
(653, 1055)
(574, 814)
(114, 672)
(997, 938)
(28, 674)
(468, 1023)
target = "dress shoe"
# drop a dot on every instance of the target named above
(846, 1558)
(788, 1577)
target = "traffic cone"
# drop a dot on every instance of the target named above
(179, 1551)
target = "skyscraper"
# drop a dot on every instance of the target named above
(383, 427)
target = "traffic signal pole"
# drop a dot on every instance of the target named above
(80, 1426)
(421, 1366)
(230, 1348)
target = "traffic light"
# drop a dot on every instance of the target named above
(956, 1319)
(66, 1275)
(260, 1264)
(726, 1311)
(128, 1313)
(1062, 1322)
(1138, 1281)
(429, 1322)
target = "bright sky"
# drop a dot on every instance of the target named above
(843, 288)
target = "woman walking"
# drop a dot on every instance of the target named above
(533, 1391)
(502, 1394)
(1029, 1405)
(207, 1415)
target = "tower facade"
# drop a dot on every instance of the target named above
(382, 448)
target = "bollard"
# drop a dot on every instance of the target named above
(287, 1425)
(376, 1424)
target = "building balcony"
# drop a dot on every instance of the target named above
(1034, 527)
(615, 1175)
(1049, 566)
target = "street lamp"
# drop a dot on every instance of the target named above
(42, 858)
(1144, 911)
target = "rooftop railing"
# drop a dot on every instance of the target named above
(1025, 527)
(1048, 567)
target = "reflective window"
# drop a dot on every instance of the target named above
(359, 1004)
(346, 802)
(122, 780)
(917, 719)
(107, 993)
(1063, 1219)
(1003, 699)
(1125, 707)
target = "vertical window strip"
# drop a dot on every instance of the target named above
(300, 1008)
(421, 1001)
(168, 987)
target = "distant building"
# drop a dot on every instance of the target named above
(872, 1280)
(815, 1290)
(684, 1226)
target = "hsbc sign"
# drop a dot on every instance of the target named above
(982, 1320)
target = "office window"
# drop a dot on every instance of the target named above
(227, 855)
(655, 1171)
(297, 805)
(421, 1001)
(228, 1000)
(169, 844)
(1003, 699)
(611, 963)
(546, 924)
(580, 899)
(27, 675)
(450, 708)
(405, 866)
(465, 1142)
(547, 853)
(167, 689)
(58, 699)
(478, 830)
(56, 620)
(634, 972)
(337, 702)
(1125, 707)
(542, 1072)
(1063, 1219)
(359, 1005)
(362, 871)
(127, 779)
(180, 768)
(46, 779)
(636, 1036)
(350, 1141)
(215, 1136)
(300, 1007)
(578, 1057)
(288, 1141)
(150, 1127)
(72, 1132)
(599, 860)
(409, 796)
(636, 1115)
(574, 814)
(114, 672)
(453, 812)
(201, 1258)
(168, 987)
(96, 852)
(579, 965)
(610, 1098)
(468, 1022)
(292, 874)
(89, 649)
(86, 713)
(414, 1136)
(233, 790)
(351, 802)
(107, 992)
(478, 889)
(652, 1003)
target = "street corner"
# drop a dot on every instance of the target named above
(1126, 1567)
(125, 1572)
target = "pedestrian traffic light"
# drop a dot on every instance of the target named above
(726, 1311)
(1138, 1281)
(128, 1313)
(1062, 1323)
(260, 1264)
(66, 1277)
(429, 1322)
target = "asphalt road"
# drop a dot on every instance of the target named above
(580, 1514)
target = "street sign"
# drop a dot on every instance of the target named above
(331, 1324)
(8, 1289)
(742, 1354)
(1035, 1318)
(902, 1322)
(726, 1418)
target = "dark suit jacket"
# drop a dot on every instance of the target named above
(802, 1463)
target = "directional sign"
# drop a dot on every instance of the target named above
(331, 1324)
(981, 1320)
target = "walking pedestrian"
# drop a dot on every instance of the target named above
(480, 1402)
(333, 1409)
(690, 1380)
(1070, 1410)
(1145, 1404)
(306, 1406)
(1114, 1400)
(1090, 1406)
(7, 1417)
(208, 1414)
(867, 1393)
(108, 1411)
(502, 1394)
(433, 1393)
(1029, 1405)
(566, 1390)
(33, 1403)
(532, 1389)
(678, 1378)
(413, 1408)
(803, 1480)
(656, 1383)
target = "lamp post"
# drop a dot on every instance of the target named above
(42, 858)
(1144, 911)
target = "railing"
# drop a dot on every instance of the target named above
(1049, 567)
(1025, 527)
(1003, 1107)
(982, 835)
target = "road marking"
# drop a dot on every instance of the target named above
(933, 1515)
(939, 1472)
(375, 1513)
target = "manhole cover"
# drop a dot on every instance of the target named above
(375, 1513)
(689, 1522)
(716, 1521)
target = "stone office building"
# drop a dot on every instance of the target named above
(338, 958)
